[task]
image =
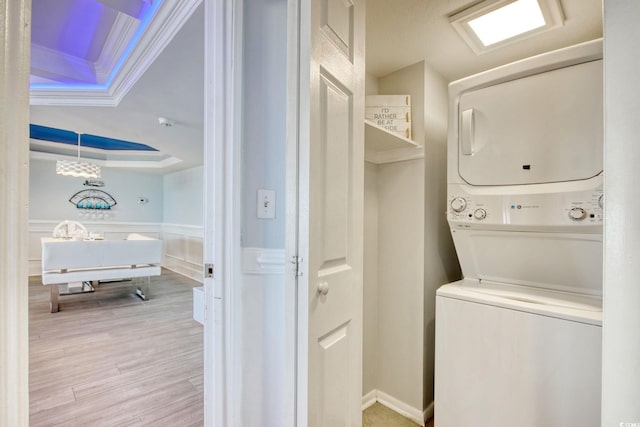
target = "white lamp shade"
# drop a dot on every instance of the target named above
(77, 169)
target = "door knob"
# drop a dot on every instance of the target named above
(323, 288)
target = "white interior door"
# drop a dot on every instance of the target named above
(330, 113)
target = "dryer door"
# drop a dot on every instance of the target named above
(538, 129)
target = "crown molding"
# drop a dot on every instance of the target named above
(122, 31)
(168, 20)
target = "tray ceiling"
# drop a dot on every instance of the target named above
(91, 52)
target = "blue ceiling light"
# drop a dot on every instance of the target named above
(148, 15)
(63, 136)
(80, 30)
(80, 41)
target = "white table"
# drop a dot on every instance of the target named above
(66, 261)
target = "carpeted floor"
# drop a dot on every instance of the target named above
(378, 415)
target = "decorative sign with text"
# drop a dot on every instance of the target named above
(392, 112)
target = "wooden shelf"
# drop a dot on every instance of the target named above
(378, 138)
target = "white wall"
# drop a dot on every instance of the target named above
(400, 255)
(263, 368)
(370, 267)
(182, 222)
(263, 116)
(400, 281)
(370, 346)
(371, 85)
(621, 323)
(411, 253)
(183, 201)
(393, 260)
(49, 194)
(261, 335)
(440, 260)
(408, 80)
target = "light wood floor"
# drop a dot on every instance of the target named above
(110, 359)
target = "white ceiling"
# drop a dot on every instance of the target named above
(403, 32)
(399, 33)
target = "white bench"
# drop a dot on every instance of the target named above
(67, 261)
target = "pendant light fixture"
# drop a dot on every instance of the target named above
(77, 168)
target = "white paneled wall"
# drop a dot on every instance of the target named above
(183, 249)
(262, 340)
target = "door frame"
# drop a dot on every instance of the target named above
(223, 27)
(221, 224)
(14, 200)
(296, 285)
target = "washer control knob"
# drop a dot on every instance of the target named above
(458, 204)
(601, 201)
(577, 214)
(480, 214)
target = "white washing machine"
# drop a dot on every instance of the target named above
(518, 340)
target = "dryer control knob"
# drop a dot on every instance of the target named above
(458, 204)
(480, 214)
(601, 201)
(577, 214)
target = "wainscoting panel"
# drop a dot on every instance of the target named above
(183, 248)
(262, 339)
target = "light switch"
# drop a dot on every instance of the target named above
(266, 204)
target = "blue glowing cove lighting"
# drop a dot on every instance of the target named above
(81, 27)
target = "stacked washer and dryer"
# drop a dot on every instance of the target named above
(518, 340)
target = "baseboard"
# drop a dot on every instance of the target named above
(428, 413)
(404, 409)
(369, 399)
(188, 270)
(35, 267)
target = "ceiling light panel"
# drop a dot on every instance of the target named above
(495, 23)
(515, 18)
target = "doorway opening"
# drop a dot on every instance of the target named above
(111, 346)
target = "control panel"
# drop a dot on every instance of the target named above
(555, 209)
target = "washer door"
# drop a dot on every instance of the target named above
(538, 129)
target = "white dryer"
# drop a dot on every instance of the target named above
(518, 340)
